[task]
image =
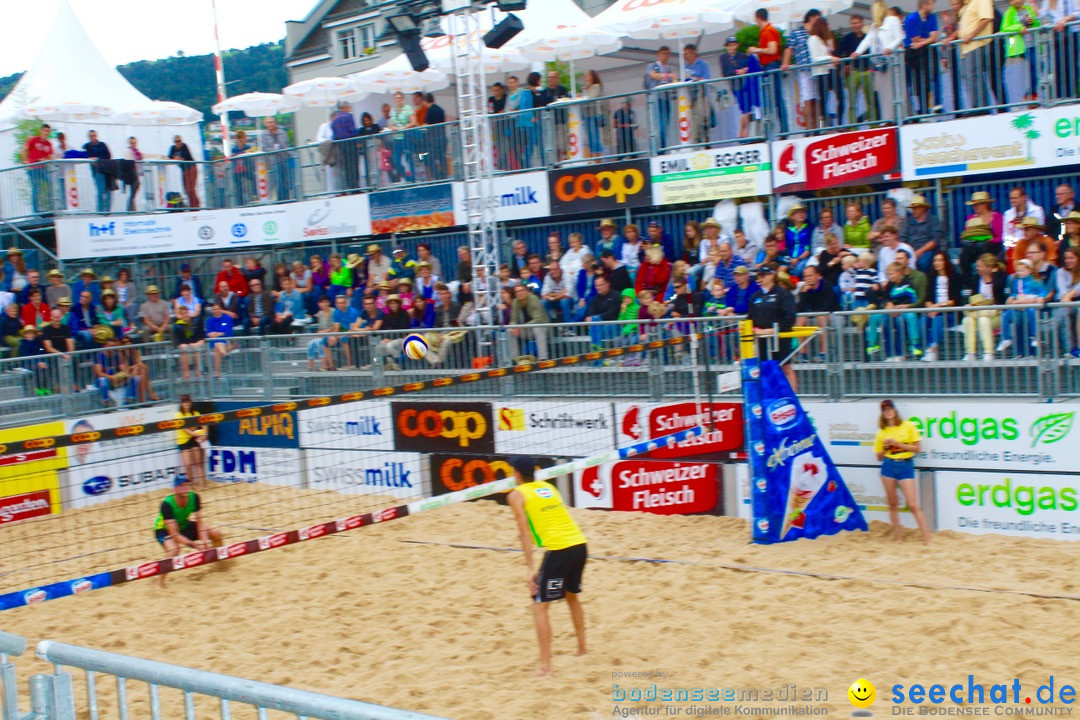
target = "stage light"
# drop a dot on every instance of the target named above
(403, 23)
(510, 5)
(502, 33)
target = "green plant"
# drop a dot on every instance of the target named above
(748, 36)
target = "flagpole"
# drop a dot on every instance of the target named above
(219, 71)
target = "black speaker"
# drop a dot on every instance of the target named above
(503, 32)
(410, 45)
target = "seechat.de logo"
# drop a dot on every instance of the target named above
(239, 230)
(97, 485)
(782, 412)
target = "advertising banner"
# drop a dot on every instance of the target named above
(797, 492)
(604, 187)
(999, 436)
(443, 426)
(392, 474)
(270, 430)
(411, 209)
(272, 466)
(711, 175)
(361, 426)
(518, 196)
(30, 481)
(1048, 138)
(1041, 506)
(815, 163)
(661, 487)
(106, 470)
(450, 473)
(644, 422)
(129, 235)
(577, 429)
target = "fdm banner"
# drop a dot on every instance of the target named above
(797, 490)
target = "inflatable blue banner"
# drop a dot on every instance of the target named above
(796, 491)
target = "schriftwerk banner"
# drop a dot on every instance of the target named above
(797, 492)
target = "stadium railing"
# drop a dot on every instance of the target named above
(53, 696)
(1038, 68)
(836, 364)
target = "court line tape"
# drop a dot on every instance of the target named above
(767, 571)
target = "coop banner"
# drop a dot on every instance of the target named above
(797, 490)
(450, 473)
(105, 470)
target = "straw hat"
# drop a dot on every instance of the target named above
(976, 228)
(1073, 216)
(979, 198)
(1030, 222)
(14, 251)
(373, 248)
(101, 333)
(710, 222)
(108, 293)
(88, 271)
(395, 298)
(353, 260)
(64, 301)
(28, 329)
(796, 206)
(919, 201)
(105, 279)
(404, 281)
(607, 222)
(150, 289)
(54, 273)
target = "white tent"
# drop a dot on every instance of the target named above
(71, 71)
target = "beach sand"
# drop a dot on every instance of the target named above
(374, 615)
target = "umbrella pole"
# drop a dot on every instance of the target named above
(573, 79)
(682, 63)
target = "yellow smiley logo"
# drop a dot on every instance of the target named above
(862, 693)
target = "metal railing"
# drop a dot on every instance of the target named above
(10, 646)
(53, 696)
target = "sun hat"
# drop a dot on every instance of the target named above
(980, 197)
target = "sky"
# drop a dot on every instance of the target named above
(129, 30)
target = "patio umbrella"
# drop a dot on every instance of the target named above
(158, 112)
(569, 43)
(66, 111)
(257, 104)
(440, 52)
(323, 92)
(398, 76)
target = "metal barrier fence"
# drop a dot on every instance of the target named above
(970, 351)
(53, 695)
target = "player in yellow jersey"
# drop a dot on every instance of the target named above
(542, 517)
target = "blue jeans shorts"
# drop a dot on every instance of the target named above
(898, 469)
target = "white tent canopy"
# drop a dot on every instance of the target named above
(71, 72)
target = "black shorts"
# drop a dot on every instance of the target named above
(560, 573)
(188, 444)
(191, 532)
(780, 355)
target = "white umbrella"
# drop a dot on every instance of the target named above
(679, 20)
(66, 111)
(257, 104)
(158, 112)
(569, 43)
(398, 76)
(784, 11)
(440, 54)
(323, 92)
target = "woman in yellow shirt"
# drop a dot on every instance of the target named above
(189, 442)
(896, 443)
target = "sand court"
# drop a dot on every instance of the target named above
(382, 614)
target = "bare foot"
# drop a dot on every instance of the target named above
(541, 672)
(581, 651)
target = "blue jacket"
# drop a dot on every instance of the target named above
(76, 320)
(78, 287)
(1030, 285)
(196, 288)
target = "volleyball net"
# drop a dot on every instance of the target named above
(81, 497)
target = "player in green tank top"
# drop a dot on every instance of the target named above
(180, 525)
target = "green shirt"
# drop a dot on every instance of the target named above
(169, 507)
(342, 277)
(855, 235)
(1012, 22)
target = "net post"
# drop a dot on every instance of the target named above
(747, 349)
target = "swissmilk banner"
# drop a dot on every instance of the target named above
(797, 492)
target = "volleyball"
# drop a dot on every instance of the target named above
(415, 346)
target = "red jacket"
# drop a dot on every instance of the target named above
(653, 277)
(30, 317)
(237, 282)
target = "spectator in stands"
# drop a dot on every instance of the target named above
(317, 347)
(772, 307)
(343, 129)
(714, 300)
(396, 319)
(798, 51)
(615, 272)
(231, 274)
(655, 235)
(35, 312)
(732, 65)
(982, 205)
(423, 254)
(633, 250)
(378, 266)
(923, 232)
(253, 269)
(681, 301)
(301, 277)
(188, 300)
(571, 261)
(857, 228)
(821, 44)
(605, 306)
(798, 237)
(690, 242)
(900, 329)
(260, 307)
(654, 273)
(1041, 268)
(82, 319)
(189, 169)
(370, 319)
(320, 277)
(341, 275)
(890, 245)
(1065, 203)
(859, 73)
(702, 116)
(422, 313)
(624, 120)
(1071, 232)
(914, 277)
(11, 326)
(56, 336)
(15, 271)
(772, 254)
(276, 141)
(609, 238)
(657, 74)
(818, 298)
(425, 281)
(342, 318)
(288, 310)
(978, 325)
(242, 171)
(1020, 76)
(920, 32)
(945, 291)
(829, 261)
(219, 327)
(847, 282)
(1020, 207)
(768, 53)
(975, 241)
(39, 149)
(1023, 288)
(711, 231)
(739, 294)
(230, 302)
(405, 292)
(726, 263)
(155, 314)
(402, 118)
(87, 281)
(402, 265)
(826, 224)
(977, 57)
(447, 310)
(1066, 319)
(186, 279)
(557, 294)
(1033, 232)
(111, 374)
(519, 258)
(31, 347)
(126, 293)
(33, 282)
(57, 288)
(99, 151)
(889, 218)
(111, 314)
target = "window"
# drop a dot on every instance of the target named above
(356, 42)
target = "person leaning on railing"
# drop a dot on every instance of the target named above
(945, 291)
(1067, 319)
(1019, 326)
(1063, 15)
(260, 308)
(898, 327)
(979, 325)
